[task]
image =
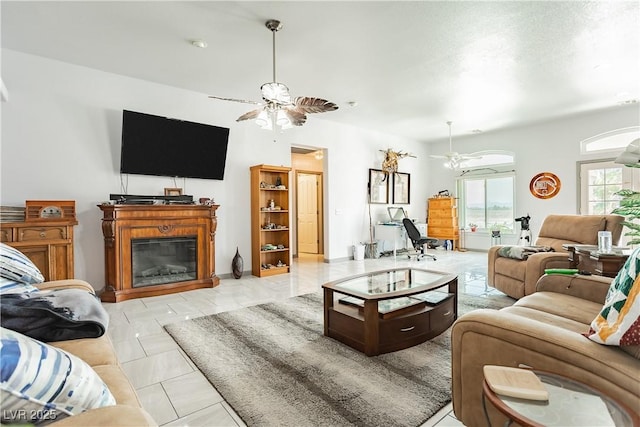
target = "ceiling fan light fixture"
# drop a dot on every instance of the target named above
(264, 121)
(279, 109)
(455, 160)
(282, 120)
(276, 92)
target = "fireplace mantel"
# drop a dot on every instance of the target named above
(124, 224)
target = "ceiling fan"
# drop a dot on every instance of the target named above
(279, 108)
(454, 159)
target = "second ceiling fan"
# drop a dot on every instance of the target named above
(454, 159)
(279, 108)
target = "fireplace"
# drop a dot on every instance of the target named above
(157, 249)
(163, 260)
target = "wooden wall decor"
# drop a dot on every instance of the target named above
(545, 185)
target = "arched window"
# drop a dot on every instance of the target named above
(489, 158)
(612, 141)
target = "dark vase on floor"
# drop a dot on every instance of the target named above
(237, 265)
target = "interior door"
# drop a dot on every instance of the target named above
(308, 185)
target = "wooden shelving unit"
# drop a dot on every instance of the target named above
(270, 220)
(442, 219)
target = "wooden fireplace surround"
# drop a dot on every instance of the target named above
(122, 223)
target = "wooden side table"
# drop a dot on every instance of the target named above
(587, 257)
(571, 403)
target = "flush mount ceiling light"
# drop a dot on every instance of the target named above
(278, 108)
(454, 159)
(199, 43)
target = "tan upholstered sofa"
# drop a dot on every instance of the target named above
(543, 331)
(99, 353)
(518, 278)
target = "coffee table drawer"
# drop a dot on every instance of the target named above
(442, 315)
(400, 329)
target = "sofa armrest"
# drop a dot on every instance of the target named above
(66, 284)
(538, 263)
(109, 416)
(491, 264)
(592, 288)
(491, 337)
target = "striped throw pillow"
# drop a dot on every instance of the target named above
(618, 323)
(15, 265)
(8, 286)
(40, 383)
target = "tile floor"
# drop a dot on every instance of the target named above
(169, 385)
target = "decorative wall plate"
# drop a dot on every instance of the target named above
(545, 185)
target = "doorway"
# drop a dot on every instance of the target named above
(309, 210)
(308, 164)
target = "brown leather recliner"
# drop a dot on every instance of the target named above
(518, 278)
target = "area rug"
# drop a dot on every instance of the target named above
(275, 367)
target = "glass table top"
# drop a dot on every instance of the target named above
(394, 282)
(570, 404)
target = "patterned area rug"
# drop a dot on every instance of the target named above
(275, 367)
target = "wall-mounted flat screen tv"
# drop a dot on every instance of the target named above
(161, 146)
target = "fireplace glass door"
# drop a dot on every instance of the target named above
(162, 260)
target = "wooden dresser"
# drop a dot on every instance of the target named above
(442, 219)
(47, 243)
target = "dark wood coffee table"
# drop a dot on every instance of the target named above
(390, 310)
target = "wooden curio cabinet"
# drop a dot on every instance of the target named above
(270, 220)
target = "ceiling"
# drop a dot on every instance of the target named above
(407, 67)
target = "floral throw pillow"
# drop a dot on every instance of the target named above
(618, 323)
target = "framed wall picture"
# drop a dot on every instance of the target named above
(173, 191)
(401, 186)
(378, 187)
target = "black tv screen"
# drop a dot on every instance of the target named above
(161, 146)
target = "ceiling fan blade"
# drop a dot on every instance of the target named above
(313, 105)
(449, 155)
(469, 156)
(235, 100)
(250, 115)
(297, 118)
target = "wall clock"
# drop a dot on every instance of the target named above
(545, 185)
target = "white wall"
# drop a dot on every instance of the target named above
(61, 141)
(552, 146)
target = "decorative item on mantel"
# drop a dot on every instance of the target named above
(206, 201)
(237, 265)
